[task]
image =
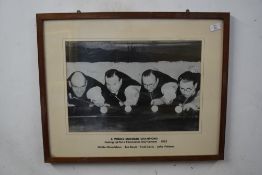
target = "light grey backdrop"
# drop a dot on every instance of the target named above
(134, 70)
(21, 150)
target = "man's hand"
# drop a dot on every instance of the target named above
(98, 102)
(169, 92)
(132, 95)
(157, 102)
(168, 100)
(189, 106)
(121, 103)
(95, 96)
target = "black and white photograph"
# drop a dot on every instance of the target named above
(133, 86)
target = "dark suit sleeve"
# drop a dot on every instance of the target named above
(144, 98)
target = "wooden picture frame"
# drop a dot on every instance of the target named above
(182, 35)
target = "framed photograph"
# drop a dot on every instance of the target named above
(133, 86)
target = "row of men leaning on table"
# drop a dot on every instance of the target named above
(121, 91)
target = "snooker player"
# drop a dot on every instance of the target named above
(188, 94)
(124, 90)
(84, 90)
(157, 89)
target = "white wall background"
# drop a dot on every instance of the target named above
(21, 150)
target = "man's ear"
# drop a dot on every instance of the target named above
(142, 82)
(195, 85)
(157, 80)
(121, 80)
(105, 80)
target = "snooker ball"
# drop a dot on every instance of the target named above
(178, 109)
(103, 109)
(128, 108)
(154, 108)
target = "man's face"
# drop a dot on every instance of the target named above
(78, 84)
(187, 88)
(113, 84)
(150, 82)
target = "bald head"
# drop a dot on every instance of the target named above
(78, 79)
(78, 83)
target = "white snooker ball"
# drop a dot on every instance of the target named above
(154, 108)
(178, 109)
(128, 108)
(103, 109)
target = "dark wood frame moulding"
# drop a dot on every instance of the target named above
(41, 18)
